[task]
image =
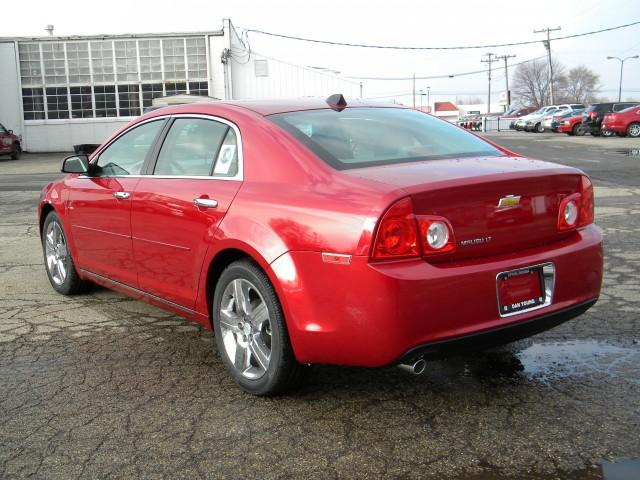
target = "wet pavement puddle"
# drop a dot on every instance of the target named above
(551, 361)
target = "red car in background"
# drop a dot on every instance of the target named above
(9, 143)
(572, 125)
(625, 122)
(321, 232)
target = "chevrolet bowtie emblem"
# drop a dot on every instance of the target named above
(509, 201)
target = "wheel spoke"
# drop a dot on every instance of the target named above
(50, 240)
(259, 315)
(241, 296)
(240, 360)
(260, 352)
(229, 320)
(62, 269)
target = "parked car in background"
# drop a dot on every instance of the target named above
(310, 232)
(572, 125)
(624, 122)
(535, 122)
(522, 121)
(9, 143)
(556, 120)
(594, 114)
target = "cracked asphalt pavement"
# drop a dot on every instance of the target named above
(103, 386)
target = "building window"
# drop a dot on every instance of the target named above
(149, 92)
(30, 70)
(57, 102)
(58, 75)
(199, 88)
(33, 103)
(173, 56)
(81, 105)
(53, 60)
(175, 88)
(129, 100)
(126, 61)
(105, 96)
(78, 62)
(102, 61)
(197, 58)
(150, 63)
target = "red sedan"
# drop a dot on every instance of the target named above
(313, 232)
(625, 122)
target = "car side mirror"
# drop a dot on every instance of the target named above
(76, 164)
(10, 132)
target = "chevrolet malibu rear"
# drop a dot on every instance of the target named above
(362, 235)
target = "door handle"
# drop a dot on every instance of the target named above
(205, 202)
(121, 195)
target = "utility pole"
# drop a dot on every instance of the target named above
(547, 45)
(490, 59)
(506, 77)
(360, 89)
(428, 100)
(414, 91)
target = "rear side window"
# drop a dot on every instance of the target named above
(126, 155)
(361, 137)
(198, 147)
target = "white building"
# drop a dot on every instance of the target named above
(56, 92)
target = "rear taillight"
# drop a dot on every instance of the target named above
(576, 210)
(587, 203)
(436, 234)
(593, 114)
(397, 235)
(402, 234)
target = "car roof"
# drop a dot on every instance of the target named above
(272, 106)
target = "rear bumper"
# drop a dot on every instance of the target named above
(494, 337)
(372, 314)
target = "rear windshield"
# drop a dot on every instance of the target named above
(362, 137)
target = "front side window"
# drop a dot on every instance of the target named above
(198, 147)
(126, 155)
(361, 137)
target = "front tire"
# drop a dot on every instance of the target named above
(251, 333)
(539, 128)
(633, 130)
(607, 133)
(16, 153)
(57, 258)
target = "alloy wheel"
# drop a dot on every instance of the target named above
(634, 130)
(245, 328)
(56, 253)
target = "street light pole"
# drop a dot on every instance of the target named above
(428, 100)
(621, 60)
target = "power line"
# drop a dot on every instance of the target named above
(459, 47)
(451, 75)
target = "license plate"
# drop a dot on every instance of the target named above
(521, 289)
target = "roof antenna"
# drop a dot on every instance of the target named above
(337, 102)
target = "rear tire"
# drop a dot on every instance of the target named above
(633, 130)
(58, 263)
(251, 332)
(607, 133)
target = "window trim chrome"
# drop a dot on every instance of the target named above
(239, 176)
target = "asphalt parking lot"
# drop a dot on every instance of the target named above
(103, 386)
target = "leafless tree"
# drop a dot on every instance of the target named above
(531, 82)
(581, 85)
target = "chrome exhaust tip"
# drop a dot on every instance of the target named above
(416, 368)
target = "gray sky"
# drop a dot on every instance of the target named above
(399, 22)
